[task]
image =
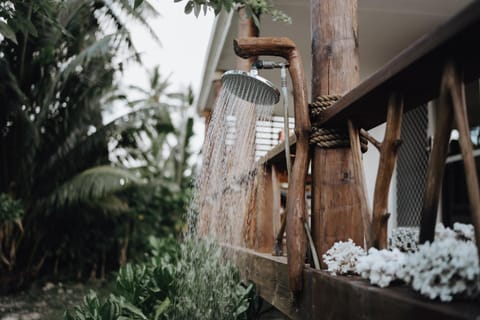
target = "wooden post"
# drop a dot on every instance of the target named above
(246, 28)
(268, 207)
(336, 211)
(388, 156)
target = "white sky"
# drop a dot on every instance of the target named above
(184, 43)
(182, 54)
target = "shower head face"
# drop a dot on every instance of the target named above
(250, 87)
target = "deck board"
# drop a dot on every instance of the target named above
(341, 297)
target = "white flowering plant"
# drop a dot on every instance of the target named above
(342, 257)
(381, 267)
(404, 239)
(445, 269)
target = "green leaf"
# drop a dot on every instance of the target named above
(26, 26)
(137, 4)
(196, 9)
(128, 306)
(189, 7)
(228, 5)
(256, 21)
(160, 309)
(91, 184)
(7, 32)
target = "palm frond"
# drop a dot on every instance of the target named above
(137, 15)
(77, 146)
(7, 32)
(99, 48)
(89, 186)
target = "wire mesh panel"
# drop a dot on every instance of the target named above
(412, 166)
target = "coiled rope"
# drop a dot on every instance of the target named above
(329, 138)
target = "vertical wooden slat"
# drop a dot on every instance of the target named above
(437, 160)
(471, 175)
(388, 157)
(267, 208)
(453, 108)
(359, 174)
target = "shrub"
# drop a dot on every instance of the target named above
(177, 281)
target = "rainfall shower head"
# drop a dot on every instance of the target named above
(250, 87)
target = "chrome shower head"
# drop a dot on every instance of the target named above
(250, 87)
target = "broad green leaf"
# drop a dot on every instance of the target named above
(137, 3)
(128, 306)
(7, 32)
(160, 309)
(196, 9)
(26, 26)
(91, 184)
(228, 5)
(189, 7)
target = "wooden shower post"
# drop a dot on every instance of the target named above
(246, 28)
(336, 202)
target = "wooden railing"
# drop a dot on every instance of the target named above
(434, 67)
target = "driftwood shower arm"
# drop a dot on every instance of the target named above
(285, 48)
(296, 211)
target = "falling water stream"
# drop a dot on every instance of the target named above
(208, 286)
(228, 173)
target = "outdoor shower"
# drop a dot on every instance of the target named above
(296, 216)
(253, 88)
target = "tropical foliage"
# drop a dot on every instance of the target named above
(253, 8)
(59, 61)
(187, 281)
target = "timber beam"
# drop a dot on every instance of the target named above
(341, 297)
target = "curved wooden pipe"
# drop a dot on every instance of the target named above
(296, 213)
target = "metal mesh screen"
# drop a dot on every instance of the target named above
(412, 166)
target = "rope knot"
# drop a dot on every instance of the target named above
(329, 138)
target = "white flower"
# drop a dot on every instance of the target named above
(8, 8)
(342, 257)
(442, 233)
(381, 266)
(446, 268)
(404, 239)
(464, 231)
